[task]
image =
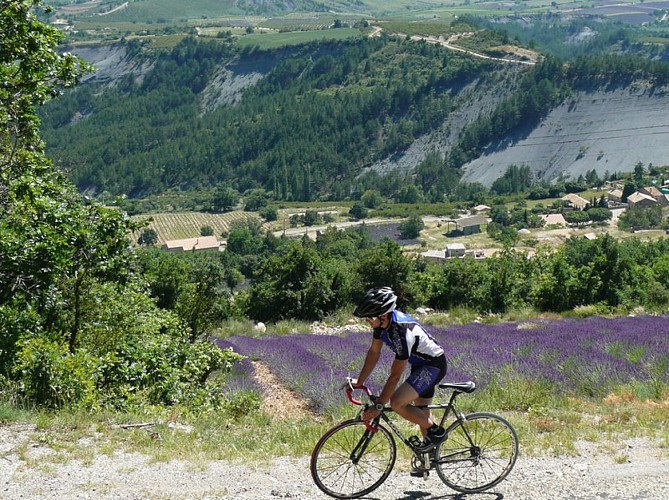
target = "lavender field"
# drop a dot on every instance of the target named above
(580, 357)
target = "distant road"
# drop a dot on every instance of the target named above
(448, 43)
(312, 231)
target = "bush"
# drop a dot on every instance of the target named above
(411, 227)
(52, 377)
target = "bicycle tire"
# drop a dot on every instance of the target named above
(338, 473)
(477, 454)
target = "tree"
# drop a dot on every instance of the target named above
(206, 230)
(69, 296)
(640, 217)
(410, 228)
(147, 237)
(358, 211)
(577, 217)
(371, 198)
(269, 213)
(599, 214)
(225, 199)
(385, 265)
(254, 200)
(311, 217)
(409, 193)
(297, 283)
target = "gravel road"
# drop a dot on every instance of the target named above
(27, 472)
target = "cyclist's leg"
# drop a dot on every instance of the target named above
(421, 401)
(401, 403)
(423, 379)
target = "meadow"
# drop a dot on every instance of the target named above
(275, 40)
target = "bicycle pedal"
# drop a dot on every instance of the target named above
(415, 441)
(420, 473)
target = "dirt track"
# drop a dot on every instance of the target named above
(639, 471)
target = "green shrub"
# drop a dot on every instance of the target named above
(49, 375)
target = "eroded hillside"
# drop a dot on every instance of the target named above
(608, 131)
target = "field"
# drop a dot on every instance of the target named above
(574, 357)
(274, 40)
(558, 381)
(176, 226)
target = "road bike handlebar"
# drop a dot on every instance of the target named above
(349, 392)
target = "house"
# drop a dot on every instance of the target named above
(193, 244)
(480, 208)
(455, 250)
(575, 201)
(616, 196)
(656, 194)
(554, 220)
(435, 255)
(470, 225)
(638, 199)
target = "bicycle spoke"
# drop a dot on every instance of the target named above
(348, 462)
(478, 453)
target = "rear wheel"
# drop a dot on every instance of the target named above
(477, 453)
(349, 461)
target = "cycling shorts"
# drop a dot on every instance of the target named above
(424, 378)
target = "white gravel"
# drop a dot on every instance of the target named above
(26, 473)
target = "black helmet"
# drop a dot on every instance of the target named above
(377, 301)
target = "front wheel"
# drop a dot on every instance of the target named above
(477, 454)
(349, 461)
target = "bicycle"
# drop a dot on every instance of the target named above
(355, 457)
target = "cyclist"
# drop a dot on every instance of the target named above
(412, 345)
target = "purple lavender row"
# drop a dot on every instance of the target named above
(575, 356)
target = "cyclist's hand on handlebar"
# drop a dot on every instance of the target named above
(370, 413)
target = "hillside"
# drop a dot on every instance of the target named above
(608, 131)
(318, 118)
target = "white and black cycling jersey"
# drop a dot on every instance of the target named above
(408, 340)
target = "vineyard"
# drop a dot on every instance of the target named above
(176, 226)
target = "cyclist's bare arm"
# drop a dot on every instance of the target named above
(396, 370)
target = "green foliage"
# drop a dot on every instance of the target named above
(599, 214)
(641, 217)
(269, 213)
(372, 96)
(76, 327)
(191, 285)
(385, 265)
(515, 180)
(51, 376)
(298, 283)
(576, 217)
(147, 237)
(411, 227)
(371, 198)
(163, 369)
(225, 199)
(358, 211)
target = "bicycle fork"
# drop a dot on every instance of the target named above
(361, 447)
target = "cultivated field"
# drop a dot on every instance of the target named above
(176, 226)
(545, 372)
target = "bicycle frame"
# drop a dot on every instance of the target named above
(356, 456)
(448, 408)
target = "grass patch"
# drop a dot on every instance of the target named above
(275, 40)
(549, 425)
